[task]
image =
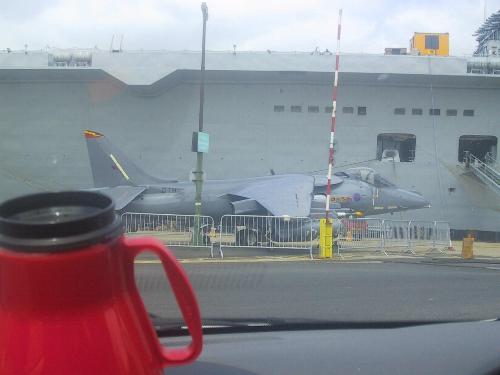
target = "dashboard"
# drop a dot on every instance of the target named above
(454, 348)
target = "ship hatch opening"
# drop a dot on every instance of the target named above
(396, 147)
(480, 146)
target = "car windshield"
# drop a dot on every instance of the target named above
(208, 127)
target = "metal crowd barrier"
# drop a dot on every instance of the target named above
(269, 232)
(273, 232)
(173, 230)
(365, 233)
(421, 233)
(396, 234)
(384, 234)
(442, 235)
(434, 234)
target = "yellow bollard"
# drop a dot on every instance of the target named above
(468, 248)
(326, 238)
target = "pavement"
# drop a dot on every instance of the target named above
(483, 252)
(481, 249)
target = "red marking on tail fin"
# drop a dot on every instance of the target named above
(91, 134)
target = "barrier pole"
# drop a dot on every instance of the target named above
(382, 237)
(408, 236)
(333, 120)
(310, 240)
(434, 237)
(408, 239)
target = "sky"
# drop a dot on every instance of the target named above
(257, 25)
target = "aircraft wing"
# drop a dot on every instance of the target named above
(323, 181)
(280, 195)
(121, 195)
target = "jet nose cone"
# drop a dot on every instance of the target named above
(413, 199)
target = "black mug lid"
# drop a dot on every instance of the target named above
(54, 222)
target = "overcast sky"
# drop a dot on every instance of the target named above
(285, 25)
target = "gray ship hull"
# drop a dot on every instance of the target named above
(44, 113)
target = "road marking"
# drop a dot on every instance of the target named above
(227, 260)
(261, 260)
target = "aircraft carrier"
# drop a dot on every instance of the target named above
(412, 118)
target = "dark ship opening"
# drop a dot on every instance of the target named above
(397, 147)
(482, 147)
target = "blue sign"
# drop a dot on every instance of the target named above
(200, 142)
(203, 142)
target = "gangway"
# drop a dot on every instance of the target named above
(491, 160)
(487, 172)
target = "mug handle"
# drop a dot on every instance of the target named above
(184, 295)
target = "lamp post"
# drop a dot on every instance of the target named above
(198, 173)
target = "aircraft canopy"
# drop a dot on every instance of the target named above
(369, 176)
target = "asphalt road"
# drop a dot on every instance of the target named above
(331, 290)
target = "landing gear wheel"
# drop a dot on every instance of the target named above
(247, 237)
(251, 237)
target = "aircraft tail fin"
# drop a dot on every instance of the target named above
(110, 166)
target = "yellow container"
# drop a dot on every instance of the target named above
(468, 248)
(435, 44)
(325, 238)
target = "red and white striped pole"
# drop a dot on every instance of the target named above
(334, 117)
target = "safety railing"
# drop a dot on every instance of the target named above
(268, 232)
(489, 159)
(173, 230)
(485, 171)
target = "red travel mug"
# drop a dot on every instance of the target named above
(68, 299)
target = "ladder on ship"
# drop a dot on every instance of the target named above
(487, 171)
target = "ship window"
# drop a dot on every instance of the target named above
(483, 147)
(451, 112)
(349, 110)
(396, 147)
(313, 109)
(416, 111)
(296, 108)
(279, 108)
(361, 111)
(399, 111)
(329, 109)
(468, 112)
(431, 42)
(434, 112)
